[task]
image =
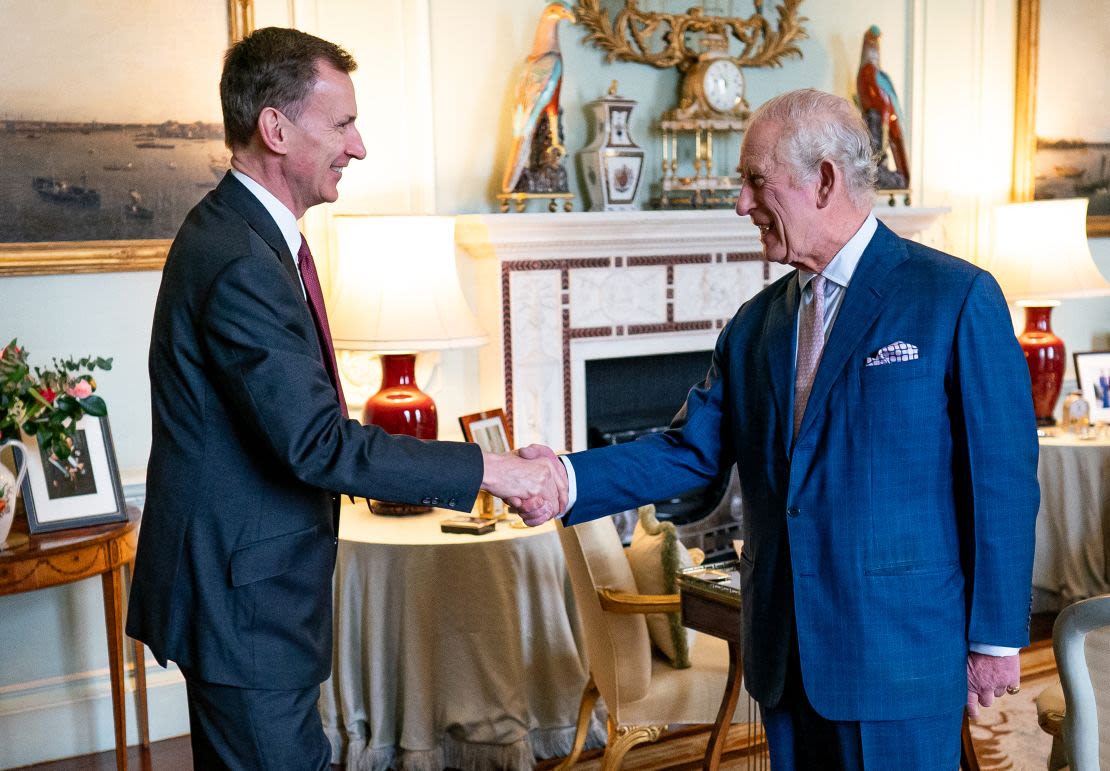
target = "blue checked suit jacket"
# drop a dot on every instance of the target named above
(902, 521)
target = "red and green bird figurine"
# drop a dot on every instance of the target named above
(882, 113)
(535, 162)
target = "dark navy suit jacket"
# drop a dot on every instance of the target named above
(901, 524)
(237, 544)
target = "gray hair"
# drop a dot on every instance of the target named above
(817, 127)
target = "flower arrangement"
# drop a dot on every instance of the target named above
(47, 403)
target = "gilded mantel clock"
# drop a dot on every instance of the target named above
(711, 108)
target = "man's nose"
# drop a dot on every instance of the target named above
(744, 202)
(356, 149)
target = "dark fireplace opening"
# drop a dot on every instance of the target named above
(635, 395)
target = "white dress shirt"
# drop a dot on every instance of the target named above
(283, 218)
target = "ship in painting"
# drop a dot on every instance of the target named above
(61, 191)
(155, 145)
(134, 208)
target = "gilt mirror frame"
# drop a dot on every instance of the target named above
(1025, 111)
(67, 257)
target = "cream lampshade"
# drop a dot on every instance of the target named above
(397, 293)
(1041, 256)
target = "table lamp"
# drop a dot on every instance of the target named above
(1041, 256)
(396, 294)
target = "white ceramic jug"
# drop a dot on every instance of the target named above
(9, 486)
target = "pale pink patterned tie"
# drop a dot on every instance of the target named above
(811, 342)
(320, 315)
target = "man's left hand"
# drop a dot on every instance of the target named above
(988, 677)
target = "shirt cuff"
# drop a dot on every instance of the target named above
(993, 650)
(572, 485)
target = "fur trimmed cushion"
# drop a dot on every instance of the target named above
(656, 556)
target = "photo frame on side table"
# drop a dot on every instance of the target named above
(1092, 371)
(490, 431)
(83, 490)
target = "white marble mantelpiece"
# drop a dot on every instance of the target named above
(557, 290)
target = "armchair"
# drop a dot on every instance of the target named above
(642, 692)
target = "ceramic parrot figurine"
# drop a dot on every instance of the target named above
(535, 162)
(882, 112)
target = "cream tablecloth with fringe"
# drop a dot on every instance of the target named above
(451, 650)
(1072, 558)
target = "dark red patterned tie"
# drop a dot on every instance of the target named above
(320, 315)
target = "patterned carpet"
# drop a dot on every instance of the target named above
(1007, 737)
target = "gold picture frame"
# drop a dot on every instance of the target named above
(1025, 110)
(106, 256)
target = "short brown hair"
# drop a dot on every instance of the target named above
(272, 67)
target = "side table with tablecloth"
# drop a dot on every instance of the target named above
(451, 649)
(1073, 527)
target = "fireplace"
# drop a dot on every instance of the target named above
(630, 396)
(559, 292)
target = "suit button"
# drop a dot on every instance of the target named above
(793, 511)
(426, 501)
(435, 501)
(452, 503)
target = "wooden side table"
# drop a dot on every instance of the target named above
(32, 562)
(715, 610)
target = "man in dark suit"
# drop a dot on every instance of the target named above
(251, 444)
(878, 410)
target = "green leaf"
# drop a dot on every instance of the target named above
(94, 405)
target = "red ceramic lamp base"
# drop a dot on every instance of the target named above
(1044, 353)
(400, 407)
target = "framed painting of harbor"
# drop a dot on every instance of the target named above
(1062, 106)
(107, 143)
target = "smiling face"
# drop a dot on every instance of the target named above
(787, 213)
(322, 140)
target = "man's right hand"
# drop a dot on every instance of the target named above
(533, 481)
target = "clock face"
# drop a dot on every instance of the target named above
(723, 85)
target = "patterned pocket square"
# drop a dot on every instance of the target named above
(889, 354)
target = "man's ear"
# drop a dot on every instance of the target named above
(272, 130)
(828, 179)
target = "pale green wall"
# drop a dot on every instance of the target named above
(479, 49)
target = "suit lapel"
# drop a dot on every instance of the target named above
(779, 332)
(234, 194)
(871, 287)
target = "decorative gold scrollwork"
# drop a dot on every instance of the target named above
(631, 34)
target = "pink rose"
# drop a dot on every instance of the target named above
(80, 390)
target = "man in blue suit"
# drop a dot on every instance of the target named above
(877, 406)
(251, 443)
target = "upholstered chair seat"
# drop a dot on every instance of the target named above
(641, 689)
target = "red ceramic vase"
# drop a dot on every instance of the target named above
(1044, 353)
(399, 406)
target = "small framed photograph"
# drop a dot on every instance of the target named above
(1092, 371)
(489, 430)
(84, 489)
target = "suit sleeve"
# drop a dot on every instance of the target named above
(690, 454)
(256, 332)
(995, 454)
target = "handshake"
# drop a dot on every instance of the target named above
(531, 480)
